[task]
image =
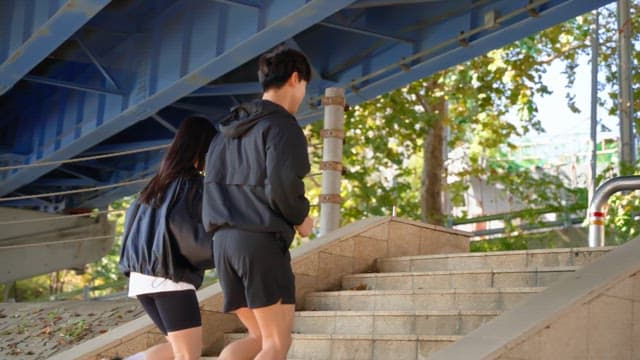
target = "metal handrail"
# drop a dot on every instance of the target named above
(600, 197)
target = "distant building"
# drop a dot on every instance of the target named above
(567, 155)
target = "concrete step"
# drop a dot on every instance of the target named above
(390, 322)
(461, 279)
(419, 299)
(492, 260)
(361, 347)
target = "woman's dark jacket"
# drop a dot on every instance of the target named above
(254, 171)
(168, 239)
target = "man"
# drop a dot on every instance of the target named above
(254, 200)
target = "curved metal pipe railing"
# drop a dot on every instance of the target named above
(600, 197)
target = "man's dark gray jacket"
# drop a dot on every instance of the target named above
(254, 172)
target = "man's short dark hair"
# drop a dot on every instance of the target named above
(276, 67)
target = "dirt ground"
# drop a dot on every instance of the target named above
(32, 331)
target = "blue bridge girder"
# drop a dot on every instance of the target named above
(34, 29)
(123, 74)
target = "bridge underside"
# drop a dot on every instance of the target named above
(87, 77)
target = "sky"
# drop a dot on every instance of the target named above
(554, 113)
(567, 132)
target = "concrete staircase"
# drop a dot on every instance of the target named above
(415, 305)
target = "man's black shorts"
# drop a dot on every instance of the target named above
(254, 269)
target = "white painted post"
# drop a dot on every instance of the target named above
(627, 137)
(331, 166)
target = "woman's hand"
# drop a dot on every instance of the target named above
(306, 227)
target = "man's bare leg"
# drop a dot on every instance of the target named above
(276, 323)
(250, 346)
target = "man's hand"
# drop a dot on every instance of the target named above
(305, 228)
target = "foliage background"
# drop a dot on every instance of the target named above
(384, 152)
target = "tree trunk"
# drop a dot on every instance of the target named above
(56, 282)
(433, 167)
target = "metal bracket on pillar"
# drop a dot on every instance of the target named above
(333, 100)
(463, 40)
(332, 133)
(533, 12)
(330, 199)
(331, 165)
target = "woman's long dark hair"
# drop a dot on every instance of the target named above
(184, 157)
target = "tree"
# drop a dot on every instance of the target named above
(106, 270)
(469, 101)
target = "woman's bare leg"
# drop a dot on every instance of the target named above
(186, 344)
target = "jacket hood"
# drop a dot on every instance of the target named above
(243, 117)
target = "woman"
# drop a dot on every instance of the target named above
(254, 199)
(166, 248)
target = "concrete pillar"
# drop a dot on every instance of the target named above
(627, 143)
(595, 50)
(331, 166)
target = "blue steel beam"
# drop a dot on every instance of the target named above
(247, 88)
(556, 12)
(98, 64)
(88, 180)
(42, 41)
(366, 32)
(361, 88)
(71, 85)
(164, 123)
(111, 148)
(145, 168)
(28, 203)
(203, 109)
(102, 199)
(156, 85)
(363, 4)
(66, 183)
(239, 3)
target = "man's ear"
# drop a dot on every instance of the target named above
(294, 79)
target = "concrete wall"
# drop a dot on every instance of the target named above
(605, 327)
(318, 265)
(40, 246)
(593, 313)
